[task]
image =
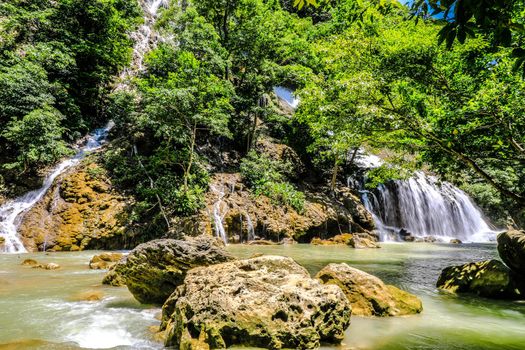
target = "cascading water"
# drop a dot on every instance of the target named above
(217, 218)
(12, 211)
(423, 206)
(251, 230)
(144, 39)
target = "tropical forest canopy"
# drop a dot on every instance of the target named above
(440, 94)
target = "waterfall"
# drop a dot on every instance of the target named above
(11, 212)
(251, 230)
(144, 39)
(424, 206)
(217, 218)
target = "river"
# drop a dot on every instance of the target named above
(42, 309)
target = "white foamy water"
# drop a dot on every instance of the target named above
(424, 206)
(144, 38)
(12, 211)
(217, 217)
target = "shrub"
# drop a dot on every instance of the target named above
(268, 177)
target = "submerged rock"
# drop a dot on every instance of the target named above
(49, 266)
(104, 261)
(154, 269)
(29, 262)
(488, 278)
(368, 295)
(269, 302)
(511, 249)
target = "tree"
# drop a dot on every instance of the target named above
(36, 139)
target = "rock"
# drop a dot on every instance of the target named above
(409, 238)
(2, 240)
(287, 241)
(81, 210)
(362, 242)
(489, 279)
(29, 262)
(455, 241)
(93, 295)
(268, 302)
(49, 266)
(323, 214)
(368, 295)
(154, 269)
(262, 242)
(104, 261)
(511, 249)
(404, 233)
(114, 276)
(426, 239)
(342, 239)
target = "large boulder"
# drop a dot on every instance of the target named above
(154, 269)
(368, 295)
(491, 279)
(511, 249)
(268, 302)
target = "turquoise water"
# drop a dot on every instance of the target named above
(45, 309)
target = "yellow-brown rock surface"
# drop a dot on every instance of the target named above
(80, 211)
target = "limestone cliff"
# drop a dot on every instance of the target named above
(240, 210)
(80, 211)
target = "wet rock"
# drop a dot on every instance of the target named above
(114, 276)
(455, 241)
(262, 242)
(154, 269)
(362, 242)
(511, 249)
(268, 302)
(409, 238)
(104, 261)
(404, 233)
(92, 295)
(2, 240)
(489, 279)
(342, 239)
(29, 262)
(49, 266)
(426, 239)
(323, 214)
(81, 210)
(287, 241)
(368, 295)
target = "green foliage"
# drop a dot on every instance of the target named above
(36, 139)
(268, 177)
(384, 173)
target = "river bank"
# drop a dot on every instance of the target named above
(47, 309)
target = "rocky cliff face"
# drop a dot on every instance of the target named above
(243, 214)
(80, 211)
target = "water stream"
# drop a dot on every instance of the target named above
(11, 212)
(42, 309)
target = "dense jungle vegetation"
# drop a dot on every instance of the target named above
(368, 75)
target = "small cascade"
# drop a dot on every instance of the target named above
(145, 39)
(217, 217)
(11, 212)
(251, 230)
(424, 206)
